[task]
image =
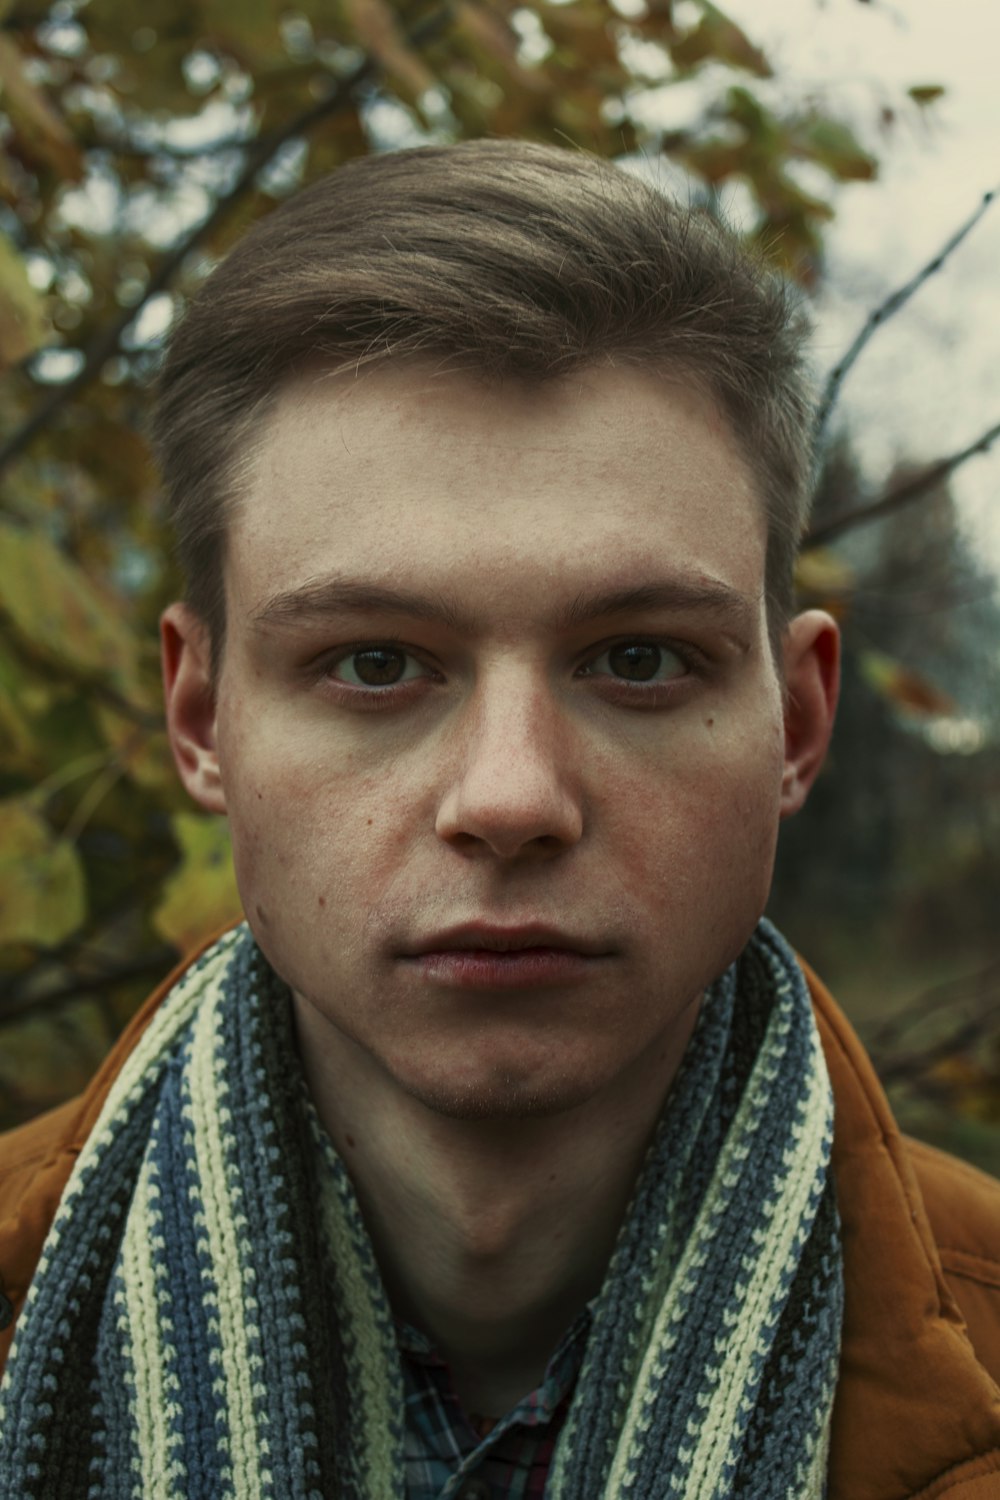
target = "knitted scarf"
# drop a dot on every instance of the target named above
(207, 1321)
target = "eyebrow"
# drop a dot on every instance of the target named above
(330, 597)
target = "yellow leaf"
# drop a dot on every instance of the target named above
(821, 573)
(201, 895)
(23, 324)
(905, 689)
(56, 609)
(42, 892)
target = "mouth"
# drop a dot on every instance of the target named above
(483, 956)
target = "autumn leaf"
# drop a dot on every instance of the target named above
(42, 892)
(718, 39)
(905, 689)
(822, 574)
(55, 608)
(200, 897)
(23, 324)
(926, 93)
(833, 145)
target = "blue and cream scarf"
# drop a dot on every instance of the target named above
(207, 1321)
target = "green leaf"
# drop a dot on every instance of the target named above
(23, 324)
(201, 896)
(55, 608)
(42, 891)
(834, 145)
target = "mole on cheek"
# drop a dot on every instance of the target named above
(322, 900)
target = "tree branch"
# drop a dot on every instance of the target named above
(904, 494)
(981, 990)
(259, 154)
(883, 313)
(938, 997)
(79, 987)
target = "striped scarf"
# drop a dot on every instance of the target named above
(207, 1321)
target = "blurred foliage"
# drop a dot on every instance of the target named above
(889, 879)
(136, 144)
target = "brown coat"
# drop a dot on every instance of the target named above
(917, 1414)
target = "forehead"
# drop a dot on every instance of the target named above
(442, 480)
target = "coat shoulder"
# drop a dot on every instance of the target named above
(963, 1206)
(26, 1149)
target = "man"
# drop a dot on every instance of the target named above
(493, 1155)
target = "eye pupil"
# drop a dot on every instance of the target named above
(379, 666)
(637, 662)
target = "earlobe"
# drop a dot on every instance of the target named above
(812, 684)
(189, 692)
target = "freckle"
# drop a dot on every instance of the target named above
(350, 1141)
(552, 1177)
(260, 796)
(369, 822)
(709, 723)
(322, 900)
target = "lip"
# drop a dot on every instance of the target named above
(494, 938)
(483, 956)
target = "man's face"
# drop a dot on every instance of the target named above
(497, 730)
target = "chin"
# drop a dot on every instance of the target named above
(498, 1099)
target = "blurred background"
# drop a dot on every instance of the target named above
(857, 143)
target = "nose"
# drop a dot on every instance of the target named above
(514, 789)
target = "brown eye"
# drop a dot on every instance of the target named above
(639, 662)
(377, 666)
(636, 661)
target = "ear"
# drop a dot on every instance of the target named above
(812, 685)
(185, 652)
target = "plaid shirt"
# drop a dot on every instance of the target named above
(447, 1457)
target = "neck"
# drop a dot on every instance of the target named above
(491, 1236)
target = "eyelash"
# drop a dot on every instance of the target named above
(640, 694)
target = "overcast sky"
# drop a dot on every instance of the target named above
(930, 383)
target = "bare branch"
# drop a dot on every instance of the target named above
(884, 312)
(903, 494)
(980, 990)
(15, 1006)
(939, 997)
(259, 154)
(908, 1068)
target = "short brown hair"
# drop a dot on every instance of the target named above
(518, 260)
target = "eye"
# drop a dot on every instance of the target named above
(639, 661)
(377, 667)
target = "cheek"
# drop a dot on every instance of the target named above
(315, 837)
(693, 827)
